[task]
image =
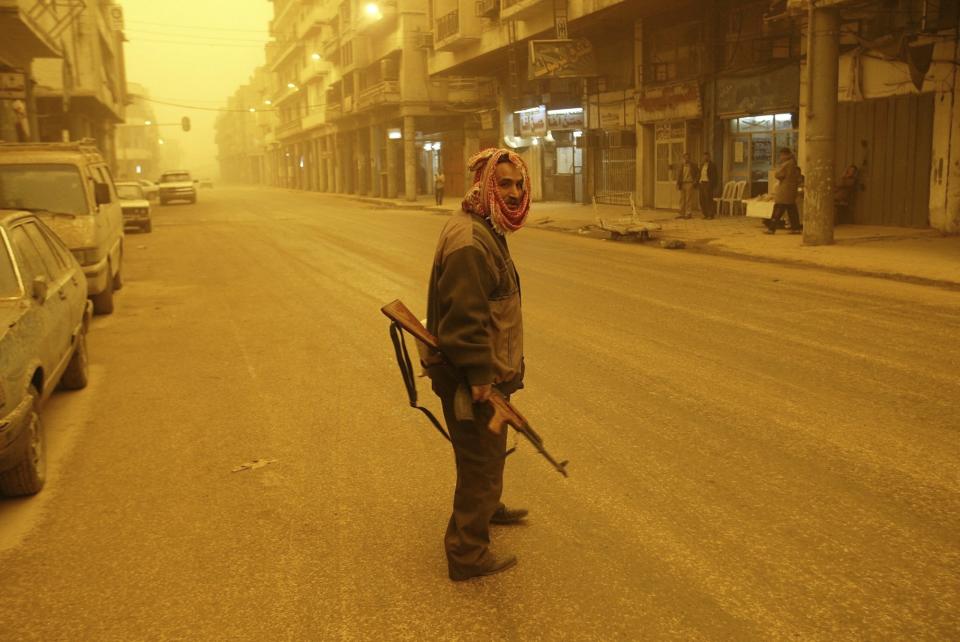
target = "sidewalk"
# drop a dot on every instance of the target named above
(922, 256)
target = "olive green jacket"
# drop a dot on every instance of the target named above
(473, 306)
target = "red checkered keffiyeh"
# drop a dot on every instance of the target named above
(484, 199)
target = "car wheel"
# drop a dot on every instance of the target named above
(118, 277)
(148, 227)
(76, 375)
(103, 302)
(163, 202)
(27, 477)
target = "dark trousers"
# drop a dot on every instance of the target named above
(707, 206)
(479, 455)
(438, 191)
(792, 212)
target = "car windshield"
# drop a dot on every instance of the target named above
(175, 178)
(129, 192)
(55, 188)
(9, 286)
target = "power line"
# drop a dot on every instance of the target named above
(195, 36)
(197, 43)
(195, 27)
(199, 108)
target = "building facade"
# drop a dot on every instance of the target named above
(83, 93)
(30, 30)
(138, 138)
(602, 97)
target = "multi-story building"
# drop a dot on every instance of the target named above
(30, 30)
(602, 97)
(245, 133)
(83, 94)
(138, 137)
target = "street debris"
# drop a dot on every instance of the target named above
(253, 465)
(673, 244)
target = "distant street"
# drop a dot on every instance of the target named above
(756, 451)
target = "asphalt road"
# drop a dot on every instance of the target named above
(757, 452)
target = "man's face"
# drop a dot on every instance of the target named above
(706, 158)
(510, 184)
(686, 158)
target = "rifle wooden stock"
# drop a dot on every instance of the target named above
(400, 314)
(504, 413)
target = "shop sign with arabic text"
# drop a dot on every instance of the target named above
(562, 59)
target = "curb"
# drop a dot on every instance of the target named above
(698, 247)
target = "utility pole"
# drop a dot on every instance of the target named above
(823, 53)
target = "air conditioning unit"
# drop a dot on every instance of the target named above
(425, 40)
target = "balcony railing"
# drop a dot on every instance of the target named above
(518, 8)
(448, 25)
(384, 92)
(289, 128)
(333, 111)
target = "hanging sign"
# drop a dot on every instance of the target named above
(560, 119)
(533, 122)
(562, 59)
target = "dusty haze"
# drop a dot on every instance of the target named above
(194, 53)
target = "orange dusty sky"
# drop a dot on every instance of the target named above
(194, 53)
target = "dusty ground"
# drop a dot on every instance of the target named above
(757, 452)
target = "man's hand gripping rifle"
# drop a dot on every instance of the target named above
(503, 411)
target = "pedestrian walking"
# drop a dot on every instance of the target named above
(844, 193)
(687, 184)
(438, 182)
(473, 308)
(785, 196)
(708, 186)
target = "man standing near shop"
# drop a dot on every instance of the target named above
(687, 184)
(473, 308)
(708, 186)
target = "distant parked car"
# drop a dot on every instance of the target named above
(70, 186)
(136, 208)
(44, 317)
(150, 189)
(206, 182)
(177, 186)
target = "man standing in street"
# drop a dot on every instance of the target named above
(708, 186)
(438, 183)
(687, 184)
(473, 308)
(785, 197)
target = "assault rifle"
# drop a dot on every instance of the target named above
(504, 414)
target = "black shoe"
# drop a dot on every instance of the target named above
(796, 230)
(508, 515)
(770, 230)
(493, 566)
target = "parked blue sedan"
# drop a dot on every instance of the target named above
(44, 317)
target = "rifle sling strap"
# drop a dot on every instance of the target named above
(409, 379)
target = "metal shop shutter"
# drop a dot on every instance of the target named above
(891, 141)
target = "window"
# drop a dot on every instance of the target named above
(9, 285)
(31, 265)
(54, 188)
(673, 52)
(54, 265)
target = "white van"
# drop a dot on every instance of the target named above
(70, 187)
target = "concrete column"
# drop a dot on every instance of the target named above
(376, 140)
(331, 164)
(360, 162)
(823, 78)
(409, 158)
(393, 172)
(339, 158)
